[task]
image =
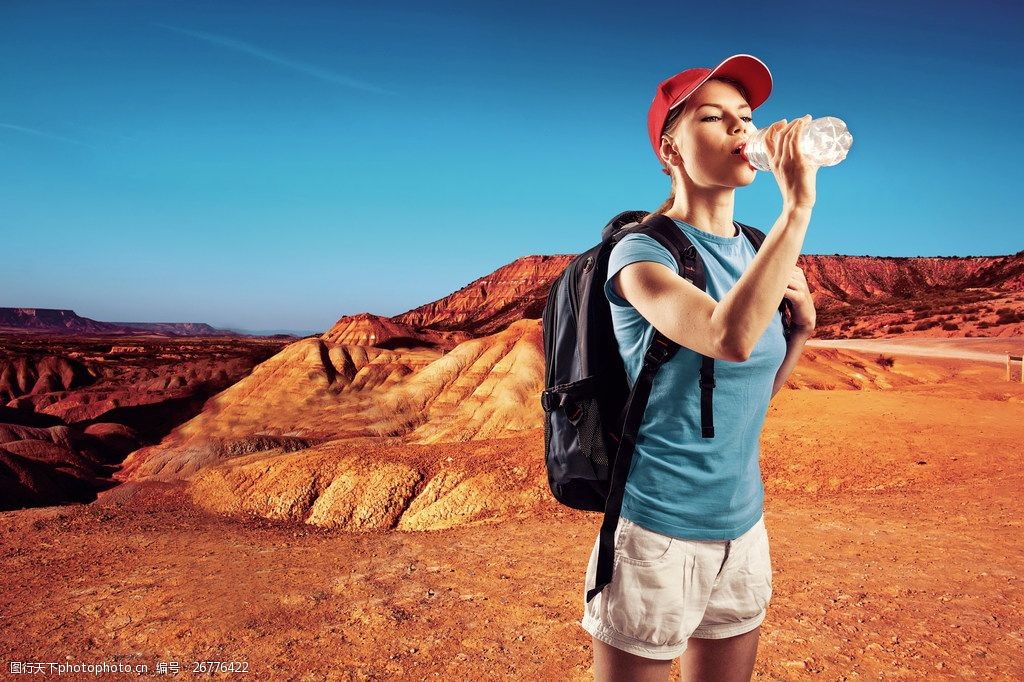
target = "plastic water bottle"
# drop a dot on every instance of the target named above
(824, 140)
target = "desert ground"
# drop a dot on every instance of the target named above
(894, 518)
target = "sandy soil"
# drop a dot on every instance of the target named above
(894, 516)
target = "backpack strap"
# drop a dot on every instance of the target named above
(757, 238)
(658, 353)
(667, 233)
(620, 221)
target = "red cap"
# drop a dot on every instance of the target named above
(745, 68)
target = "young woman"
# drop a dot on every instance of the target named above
(692, 570)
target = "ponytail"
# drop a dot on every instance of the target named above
(664, 207)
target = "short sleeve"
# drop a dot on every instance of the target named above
(631, 249)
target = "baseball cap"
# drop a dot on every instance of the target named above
(745, 68)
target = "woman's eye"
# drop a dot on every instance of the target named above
(745, 118)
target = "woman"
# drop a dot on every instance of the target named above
(692, 570)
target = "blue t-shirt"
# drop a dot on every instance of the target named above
(682, 484)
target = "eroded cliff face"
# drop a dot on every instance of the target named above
(25, 379)
(850, 279)
(855, 297)
(512, 292)
(871, 296)
(484, 388)
(318, 392)
(359, 485)
(366, 329)
(71, 409)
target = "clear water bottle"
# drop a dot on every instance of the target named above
(824, 140)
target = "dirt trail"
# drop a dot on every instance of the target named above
(982, 350)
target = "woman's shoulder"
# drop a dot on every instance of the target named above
(637, 246)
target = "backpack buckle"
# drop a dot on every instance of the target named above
(706, 380)
(548, 401)
(657, 352)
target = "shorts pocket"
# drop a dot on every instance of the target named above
(647, 603)
(639, 546)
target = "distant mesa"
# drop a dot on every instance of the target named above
(55, 321)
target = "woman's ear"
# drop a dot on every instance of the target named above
(669, 153)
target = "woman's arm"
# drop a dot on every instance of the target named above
(794, 348)
(747, 309)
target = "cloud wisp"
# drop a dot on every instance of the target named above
(266, 55)
(42, 133)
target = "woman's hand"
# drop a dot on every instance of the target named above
(794, 173)
(804, 316)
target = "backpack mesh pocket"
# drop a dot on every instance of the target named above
(586, 417)
(575, 409)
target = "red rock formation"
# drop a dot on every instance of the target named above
(24, 376)
(366, 329)
(75, 408)
(855, 296)
(489, 304)
(485, 388)
(880, 296)
(864, 278)
(59, 464)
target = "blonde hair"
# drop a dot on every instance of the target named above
(670, 125)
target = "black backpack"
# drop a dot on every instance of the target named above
(591, 417)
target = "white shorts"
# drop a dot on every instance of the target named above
(665, 590)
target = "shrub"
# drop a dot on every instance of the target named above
(885, 360)
(895, 329)
(950, 326)
(1008, 318)
(926, 324)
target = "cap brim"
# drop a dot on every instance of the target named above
(748, 70)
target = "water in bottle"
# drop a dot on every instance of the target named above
(825, 141)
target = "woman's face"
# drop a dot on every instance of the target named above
(705, 136)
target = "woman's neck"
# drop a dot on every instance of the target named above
(720, 223)
(708, 212)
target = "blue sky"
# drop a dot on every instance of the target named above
(275, 165)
